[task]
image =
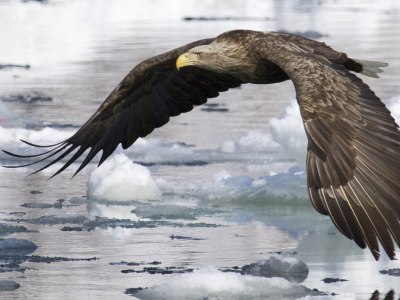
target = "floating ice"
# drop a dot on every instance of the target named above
(14, 246)
(394, 106)
(120, 179)
(9, 119)
(46, 136)
(8, 285)
(225, 187)
(110, 211)
(210, 283)
(277, 265)
(5, 112)
(289, 132)
(221, 175)
(252, 141)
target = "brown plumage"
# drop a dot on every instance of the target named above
(353, 158)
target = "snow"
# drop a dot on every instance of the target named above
(211, 283)
(119, 178)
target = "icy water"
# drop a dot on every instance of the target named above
(213, 190)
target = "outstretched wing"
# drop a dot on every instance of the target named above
(149, 95)
(353, 158)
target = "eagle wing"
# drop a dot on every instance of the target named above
(148, 96)
(353, 155)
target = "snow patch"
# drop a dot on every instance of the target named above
(119, 178)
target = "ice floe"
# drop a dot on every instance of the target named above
(210, 283)
(289, 132)
(224, 186)
(8, 285)
(284, 266)
(119, 178)
(15, 246)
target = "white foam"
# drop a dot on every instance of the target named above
(289, 132)
(210, 283)
(118, 178)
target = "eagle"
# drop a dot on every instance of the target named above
(353, 153)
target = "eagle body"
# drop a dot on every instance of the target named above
(353, 153)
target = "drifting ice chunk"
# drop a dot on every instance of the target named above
(288, 131)
(251, 142)
(210, 283)
(119, 178)
(256, 141)
(286, 267)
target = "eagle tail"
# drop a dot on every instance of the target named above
(371, 68)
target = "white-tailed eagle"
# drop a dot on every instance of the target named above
(353, 155)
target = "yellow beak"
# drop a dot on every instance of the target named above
(183, 61)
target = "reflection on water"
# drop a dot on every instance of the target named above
(78, 51)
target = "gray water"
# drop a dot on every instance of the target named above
(78, 51)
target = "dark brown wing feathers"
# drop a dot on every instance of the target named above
(353, 158)
(149, 95)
